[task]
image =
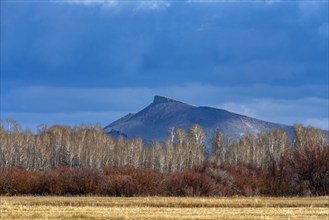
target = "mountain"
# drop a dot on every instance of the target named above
(154, 121)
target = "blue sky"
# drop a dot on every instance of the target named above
(84, 61)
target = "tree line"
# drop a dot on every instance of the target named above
(266, 163)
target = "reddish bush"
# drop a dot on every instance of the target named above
(149, 182)
(307, 171)
(273, 180)
(225, 182)
(189, 183)
(119, 185)
(71, 181)
(248, 180)
(18, 181)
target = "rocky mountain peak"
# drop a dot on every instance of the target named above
(161, 99)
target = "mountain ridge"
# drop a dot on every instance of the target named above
(154, 121)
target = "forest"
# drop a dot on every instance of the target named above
(83, 160)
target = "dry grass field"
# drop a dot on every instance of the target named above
(163, 208)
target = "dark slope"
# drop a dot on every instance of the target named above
(154, 121)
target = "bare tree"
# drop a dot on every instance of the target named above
(196, 149)
(218, 148)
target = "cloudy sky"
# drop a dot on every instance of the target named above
(93, 61)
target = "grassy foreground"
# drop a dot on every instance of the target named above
(163, 208)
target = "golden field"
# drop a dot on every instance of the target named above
(163, 208)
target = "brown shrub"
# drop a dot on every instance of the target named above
(119, 185)
(189, 183)
(19, 181)
(225, 182)
(149, 182)
(71, 181)
(248, 180)
(307, 170)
